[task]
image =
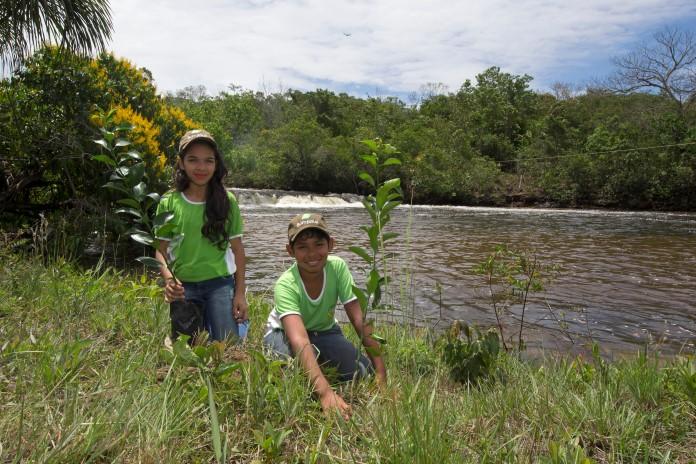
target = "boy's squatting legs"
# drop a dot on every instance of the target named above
(332, 349)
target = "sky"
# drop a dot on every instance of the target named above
(382, 48)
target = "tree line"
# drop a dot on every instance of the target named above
(629, 142)
(495, 141)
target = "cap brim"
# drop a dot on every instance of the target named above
(307, 227)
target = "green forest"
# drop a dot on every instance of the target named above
(629, 143)
(495, 141)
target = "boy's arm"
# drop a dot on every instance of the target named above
(240, 307)
(303, 350)
(364, 331)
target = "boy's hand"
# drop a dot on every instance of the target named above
(381, 379)
(240, 308)
(332, 400)
(173, 290)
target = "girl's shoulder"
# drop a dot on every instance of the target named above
(231, 196)
(169, 197)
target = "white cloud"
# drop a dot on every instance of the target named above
(387, 44)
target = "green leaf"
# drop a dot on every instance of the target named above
(126, 126)
(390, 205)
(392, 162)
(389, 236)
(370, 209)
(132, 211)
(392, 184)
(362, 253)
(129, 202)
(145, 239)
(135, 230)
(371, 160)
(103, 143)
(121, 171)
(131, 155)
(139, 191)
(162, 218)
(373, 145)
(226, 369)
(372, 282)
(122, 142)
(382, 340)
(367, 178)
(104, 159)
(165, 232)
(184, 353)
(362, 297)
(381, 197)
(154, 195)
(149, 262)
(214, 423)
(116, 186)
(137, 171)
(377, 297)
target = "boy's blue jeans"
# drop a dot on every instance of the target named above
(332, 349)
(215, 296)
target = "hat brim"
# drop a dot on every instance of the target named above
(302, 228)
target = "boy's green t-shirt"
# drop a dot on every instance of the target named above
(197, 258)
(291, 297)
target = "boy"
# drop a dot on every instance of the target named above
(302, 322)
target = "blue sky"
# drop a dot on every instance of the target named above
(382, 47)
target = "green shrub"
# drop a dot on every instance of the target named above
(472, 359)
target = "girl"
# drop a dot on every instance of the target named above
(210, 260)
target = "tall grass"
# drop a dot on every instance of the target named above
(85, 377)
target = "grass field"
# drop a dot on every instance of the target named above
(85, 377)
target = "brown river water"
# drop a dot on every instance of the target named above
(626, 279)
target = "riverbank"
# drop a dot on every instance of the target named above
(85, 377)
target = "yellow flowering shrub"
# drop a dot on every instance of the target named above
(173, 123)
(144, 139)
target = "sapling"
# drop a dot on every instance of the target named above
(379, 205)
(136, 205)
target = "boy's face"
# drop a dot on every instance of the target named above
(310, 251)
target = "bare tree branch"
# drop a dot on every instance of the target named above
(667, 66)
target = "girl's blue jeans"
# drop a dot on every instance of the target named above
(215, 295)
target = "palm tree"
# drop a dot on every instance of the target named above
(82, 26)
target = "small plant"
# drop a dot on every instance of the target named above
(683, 373)
(137, 206)
(511, 276)
(270, 440)
(472, 358)
(208, 361)
(379, 205)
(570, 453)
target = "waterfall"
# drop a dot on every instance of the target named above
(292, 199)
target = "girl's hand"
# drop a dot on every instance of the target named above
(173, 290)
(240, 308)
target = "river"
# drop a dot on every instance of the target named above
(626, 279)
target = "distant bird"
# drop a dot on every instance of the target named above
(347, 34)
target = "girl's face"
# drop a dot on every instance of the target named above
(199, 163)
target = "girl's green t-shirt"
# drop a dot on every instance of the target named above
(291, 296)
(197, 258)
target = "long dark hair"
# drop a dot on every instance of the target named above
(217, 203)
